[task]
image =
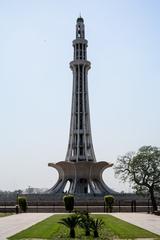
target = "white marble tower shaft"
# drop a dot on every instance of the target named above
(80, 147)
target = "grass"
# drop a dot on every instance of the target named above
(124, 230)
(113, 228)
(5, 214)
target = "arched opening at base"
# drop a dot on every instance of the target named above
(67, 186)
(82, 186)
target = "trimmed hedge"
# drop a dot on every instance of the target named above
(22, 202)
(69, 202)
(109, 201)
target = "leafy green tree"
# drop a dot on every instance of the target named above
(70, 222)
(69, 202)
(96, 225)
(109, 201)
(142, 169)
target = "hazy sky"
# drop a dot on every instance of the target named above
(36, 83)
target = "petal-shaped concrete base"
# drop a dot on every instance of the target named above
(84, 178)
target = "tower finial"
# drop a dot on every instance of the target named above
(80, 19)
(80, 27)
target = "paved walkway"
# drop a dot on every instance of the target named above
(15, 223)
(149, 222)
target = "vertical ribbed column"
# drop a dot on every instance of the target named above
(80, 147)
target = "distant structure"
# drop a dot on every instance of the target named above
(80, 169)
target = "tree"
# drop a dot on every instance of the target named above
(9, 196)
(142, 169)
(109, 201)
(69, 202)
(70, 222)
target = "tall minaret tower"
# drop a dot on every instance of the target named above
(80, 168)
(80, 147)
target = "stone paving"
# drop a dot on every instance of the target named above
(149, 222)
(15, 223)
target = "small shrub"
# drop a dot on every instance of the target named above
(22, 202)
(96, 225)
(69, 202)
(70, 222)
(85, 221)
(109, 201)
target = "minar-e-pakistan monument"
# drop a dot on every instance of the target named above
(80, 168)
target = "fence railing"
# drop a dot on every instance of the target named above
(48, 206)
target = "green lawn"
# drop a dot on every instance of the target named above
(113, 228)
(5, 214)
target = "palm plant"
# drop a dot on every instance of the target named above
(70, 222)
(85, 222)
(96, 225)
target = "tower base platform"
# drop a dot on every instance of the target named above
(83, 179)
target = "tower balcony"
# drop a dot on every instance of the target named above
(80, 62)
(80, 40)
